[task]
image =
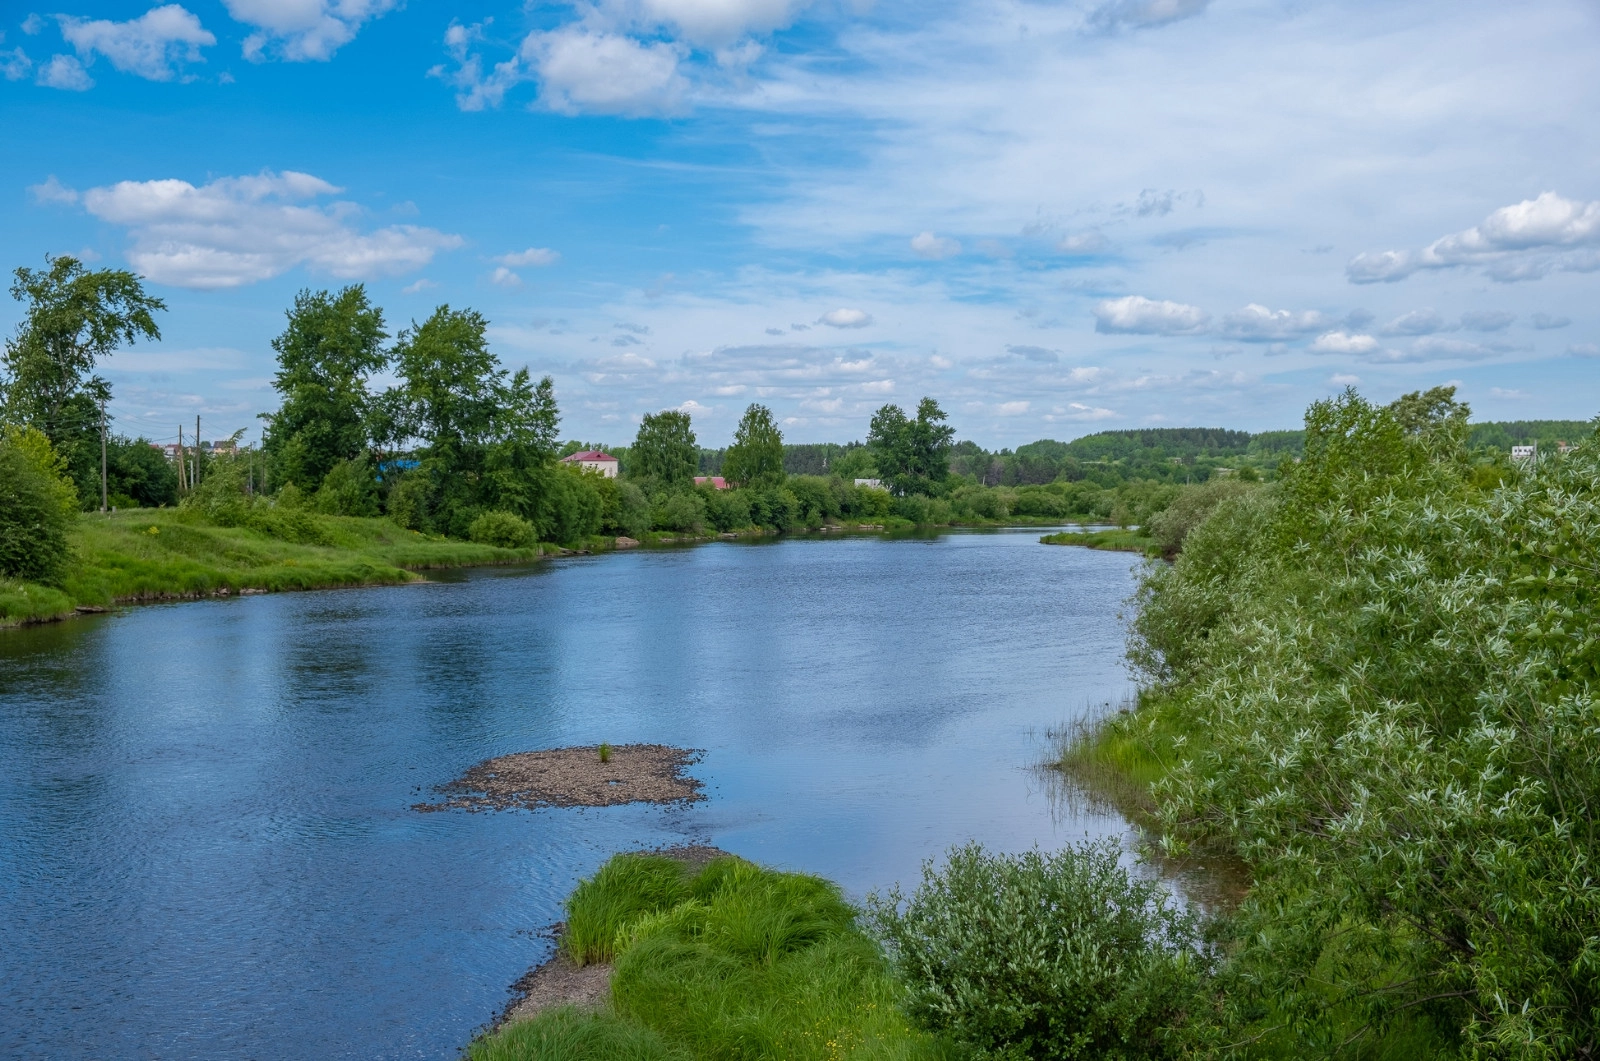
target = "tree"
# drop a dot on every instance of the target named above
(331, 346)
(914, 455)
(756, 456)
(665, 449)
(37, 506)
(74, 318)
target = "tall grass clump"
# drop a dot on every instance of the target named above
(1062, 955)
(733, 961)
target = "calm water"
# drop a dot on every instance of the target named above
(206, 846)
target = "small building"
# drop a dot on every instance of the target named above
(871, 484)
(716, 481)
(593, 460)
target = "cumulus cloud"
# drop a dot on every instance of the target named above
(1416, 322)
(303, 30)
(1137, 315)
(51, 190)
(927, 245)
(148, 46)
(1344, 379)
(1487, 320)
(238, 230)
(64, 72)
(1523, 241)
(1142, 14)
(15, 64)
(715, 23)
(585, 72)
(535, 256)
(1547, 321)
(503, 277)
(477, 90)
(846, 318)
(1343, 342)
(1258, 324)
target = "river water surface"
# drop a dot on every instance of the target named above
(206, 842)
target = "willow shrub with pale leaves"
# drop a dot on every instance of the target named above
(1383, 683)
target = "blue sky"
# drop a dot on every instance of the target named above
(1054, 217)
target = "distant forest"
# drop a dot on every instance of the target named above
(1165, 454)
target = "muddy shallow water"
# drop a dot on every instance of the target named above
(207, 846)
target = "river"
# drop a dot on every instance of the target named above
(207, 846)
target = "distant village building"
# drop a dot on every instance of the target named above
(169, 451)
(593, 460)
(1524, 453)
(871, 484)
(715, 480)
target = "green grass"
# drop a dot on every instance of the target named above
(732, 961)
(150, 554)
(1128, 541)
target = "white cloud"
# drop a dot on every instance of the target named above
(64, 71)
(1344, 379)
(1041, 354)
(1080, 411)
(1487, 320)
(477, 90)
(1441, 348)
(1083, 243)
(51, 190)
(1143, 14)
(604, 73)
(1547, 321)
(535, 256)
(694, 408)
(1018, 408)
(238, 230)
(503, 277)
(148, 46)
(32, 25)
(927, 245)
(1257, 323)
(1416, 322)
(1501, 392)
(1343, 342)
(303, 30)
(1523, 241)
(1584, 350)
(846, 318)
(1137, 315)
(720, 22)
(15, 64)
(421, 284)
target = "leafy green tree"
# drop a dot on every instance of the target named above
(37, 506)
(756, 456)
(913, 454)
(330, 348)
(665, 450)
(74, 317)
(139, 472)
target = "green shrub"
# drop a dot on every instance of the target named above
(503, 529)
(681, 510)
(1188, 510)
(570, 505)
(349, 489)
(727, 510)
(37, 507)
(1047, 956)
(410, 501)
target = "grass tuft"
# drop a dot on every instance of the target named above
(568, 1034)
(624, 889)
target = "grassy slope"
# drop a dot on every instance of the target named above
(733, 961)
(149, 554)
(1130, 541)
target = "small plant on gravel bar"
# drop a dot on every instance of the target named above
(605, 753)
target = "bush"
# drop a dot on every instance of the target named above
(37, 507)
(504, 529)
(1188, 510)
(409, 501)
(570, 505)
(727, 510)
(681, 511)
(1047, 956)
(349, 489)
(139, 473)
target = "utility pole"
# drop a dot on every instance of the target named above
(196, 480)
(183, 462)
(103, 503)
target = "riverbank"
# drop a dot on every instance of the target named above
(1130, 540)
(173, 554)
(147, 555)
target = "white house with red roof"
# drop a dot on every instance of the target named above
(593, 460)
